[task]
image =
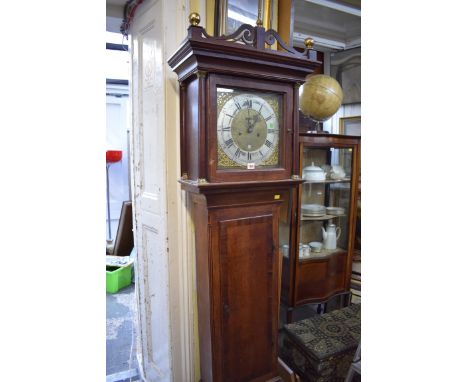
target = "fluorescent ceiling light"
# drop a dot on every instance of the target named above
(237, 16)
(338, 7)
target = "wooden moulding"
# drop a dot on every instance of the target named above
(229, 187)
(224, 54)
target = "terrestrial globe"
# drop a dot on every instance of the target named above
(321, 97)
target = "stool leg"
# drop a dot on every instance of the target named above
(350, 375)
(289, 314)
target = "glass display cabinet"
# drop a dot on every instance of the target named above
(317, 260)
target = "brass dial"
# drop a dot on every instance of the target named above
(248, 129)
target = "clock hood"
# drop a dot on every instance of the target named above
(201, 52)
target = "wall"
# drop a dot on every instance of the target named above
(350, 110)
(118, 124)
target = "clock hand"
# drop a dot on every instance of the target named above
(250, 128)
(252, 121)
(249, 125)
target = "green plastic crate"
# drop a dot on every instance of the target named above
(118, 277)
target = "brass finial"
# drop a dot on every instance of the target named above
(194, 18)
(259, 15)
(309, 42)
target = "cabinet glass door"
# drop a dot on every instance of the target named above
(325, 201)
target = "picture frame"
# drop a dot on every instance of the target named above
(350, 126)
(231, 14)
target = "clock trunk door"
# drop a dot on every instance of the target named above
(248, 295)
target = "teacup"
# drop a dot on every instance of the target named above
(315, 246)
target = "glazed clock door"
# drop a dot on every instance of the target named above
(247, 263)
(249, 129)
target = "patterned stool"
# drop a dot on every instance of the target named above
(321, 348)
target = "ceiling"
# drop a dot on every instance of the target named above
(334, 25)
(114, 15)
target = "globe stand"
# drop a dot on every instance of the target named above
(318, 128)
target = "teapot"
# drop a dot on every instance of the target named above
(330, 236)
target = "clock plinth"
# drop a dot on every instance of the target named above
(239, 125)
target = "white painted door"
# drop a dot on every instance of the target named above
(164, 267)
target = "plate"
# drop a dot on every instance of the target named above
(313, 209)
(335, 210)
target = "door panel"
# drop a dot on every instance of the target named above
(248, 297)
(320, 279)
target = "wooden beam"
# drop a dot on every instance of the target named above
(286, 21)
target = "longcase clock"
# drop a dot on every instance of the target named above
(239, 125)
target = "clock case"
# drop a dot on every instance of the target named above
(236, 213)
(240, 60)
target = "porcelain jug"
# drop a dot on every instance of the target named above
(337, 172)
(330, 236)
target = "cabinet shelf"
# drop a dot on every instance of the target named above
(320, 218)
(323, 254)
(328, 181)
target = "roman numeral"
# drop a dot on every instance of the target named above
(229, 142)
(271, 130)
(229, 115)
(238, 105)
(269, 117)
(227, 128)
(260, 152)
(237, 154)
(249, 155)
(268, 143)
(260, 108)
(248, 103)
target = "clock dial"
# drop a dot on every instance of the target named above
(248, 129)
